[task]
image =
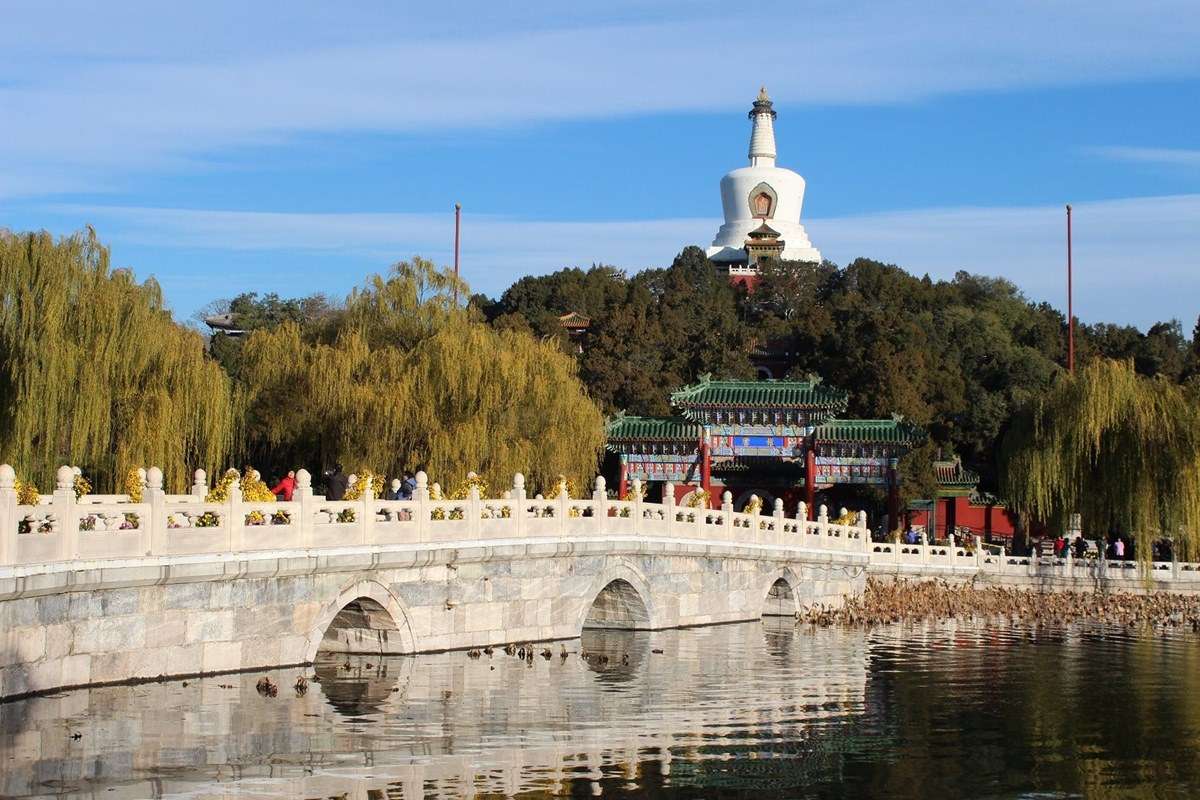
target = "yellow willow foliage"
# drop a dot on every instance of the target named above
(410, 381)
(94, 371)
(466, 398)
(1114, 447)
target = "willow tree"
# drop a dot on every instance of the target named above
(94, 371)
(1115, 447)
(405, 378)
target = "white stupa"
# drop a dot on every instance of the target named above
(762, 199)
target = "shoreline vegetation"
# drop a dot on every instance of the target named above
(886, 602)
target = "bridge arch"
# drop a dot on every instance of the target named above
(619, 599)
(780, 593)
(371, 600)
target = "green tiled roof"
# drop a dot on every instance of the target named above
(760, 394)
(869, 431)
(653, 429)
(952, 473)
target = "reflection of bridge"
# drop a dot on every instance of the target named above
(105, 590)
(449, 726)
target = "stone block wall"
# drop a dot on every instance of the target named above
(175, 616)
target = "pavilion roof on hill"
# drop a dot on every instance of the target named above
(868, 431)
(808, 395)
(953, 478)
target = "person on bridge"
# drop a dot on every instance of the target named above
(337, 483)
(394, 491)
(408, 487)
(286, 486)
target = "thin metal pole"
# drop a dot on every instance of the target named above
(457, 230)
(1070, 302)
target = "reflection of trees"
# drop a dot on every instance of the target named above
(1088, 712)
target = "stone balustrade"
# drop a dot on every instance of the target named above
(953, 559)
(97, 528)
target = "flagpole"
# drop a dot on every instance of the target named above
(457, 229)
(1070, 305)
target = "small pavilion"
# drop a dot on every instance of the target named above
(775, 438)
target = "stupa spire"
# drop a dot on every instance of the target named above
(762, 135)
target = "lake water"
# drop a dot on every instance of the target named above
(751, 710)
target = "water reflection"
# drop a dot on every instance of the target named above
(748, 710)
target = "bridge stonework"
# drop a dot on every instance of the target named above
(101, 589)
(175, 617)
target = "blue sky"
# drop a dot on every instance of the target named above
(222, 148)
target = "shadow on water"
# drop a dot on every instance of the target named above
(754, 710)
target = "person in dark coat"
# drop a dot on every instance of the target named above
(338, 482)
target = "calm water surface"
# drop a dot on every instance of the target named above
(751, 710)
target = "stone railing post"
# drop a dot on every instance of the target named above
(823, 526)
(1068, 563)
(421, 495)
(727, 514)
(200, 485)
(237, 518)
(777, 514)
(303, 494)
(1003, 558)
(978, 553)
(953, 550)
(366, 528)
(518, 497)
(154, 529)
(63, 505)
(864, 533)
(563, 501)
(600, 504)
(8, 515)
(802, 520)
(637, 505)
(924, 546)
(473, 512)
(668, 503)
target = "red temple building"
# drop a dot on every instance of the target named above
(960, 505)
(774, 438)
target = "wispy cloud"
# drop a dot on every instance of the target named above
(1126, 251)
(1163, 156)
(177, 92)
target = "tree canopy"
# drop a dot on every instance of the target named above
(404, 379)
(94, 372)
(1120, 449)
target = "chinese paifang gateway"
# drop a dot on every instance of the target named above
(774, 438)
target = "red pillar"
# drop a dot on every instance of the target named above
(894, 497)
(810, 479)
(624, 481)
(705, 465)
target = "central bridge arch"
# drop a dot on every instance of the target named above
(619, 599)
(366, 617)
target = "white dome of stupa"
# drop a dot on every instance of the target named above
(762, 193)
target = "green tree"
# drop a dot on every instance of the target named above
(95, 373)
(406, 379)
(1118, 448)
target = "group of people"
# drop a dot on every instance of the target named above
(337, 483)
(1063, 546)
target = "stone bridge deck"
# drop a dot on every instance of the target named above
(105, 590)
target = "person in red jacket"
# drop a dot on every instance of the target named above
(287, 484)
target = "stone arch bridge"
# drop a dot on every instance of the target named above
(103, 589)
